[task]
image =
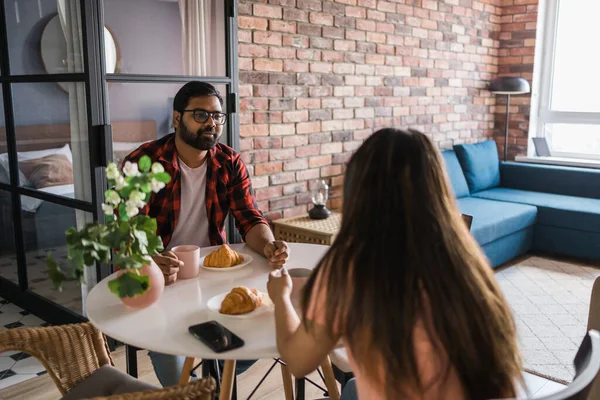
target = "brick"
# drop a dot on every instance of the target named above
(330, 7)
(276, 78)
(282, 129)
(332, 103)
(295, 91)
(254, 77)
(309, 174)
(294, 211)
(320, 91)
(320, 115)
(332, 170)
(282, 178)
(356, 35)
(282, 154)
(310, 30)
(295, 116)
(341, 136)
(343, 113)
(252, 50)
(366, 25)
(344, 45)
(252, 23)
(281, 52)
(268, 193)
(297, 164)
(321, 19)
(306, 151)
(268, 65)
(282, 26)
(314, 5)
(290, 14)
(333, 33)
(309, 79)
(281, 104)
(356, 12)
(270, 38)
(308, 127)
(295, 66)
(331, 148)
(294, 188)
(321, 43)
(319, 138)
(254, 130)
(322, 68)
(295, 141)
(303, 103)
(319, 161)
(295, 41)
(261, 10)
(332, 125)
(268, 168)
(267, 142)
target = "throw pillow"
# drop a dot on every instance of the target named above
(52, 170)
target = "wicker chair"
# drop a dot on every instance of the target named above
(71, 353)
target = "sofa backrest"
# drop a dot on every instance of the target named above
(455, 174)
(569, 181)
(480, 164)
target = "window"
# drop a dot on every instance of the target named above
(568, 108)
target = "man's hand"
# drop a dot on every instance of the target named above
(169, 265)
(277, 253)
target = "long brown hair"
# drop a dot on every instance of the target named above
(402, 253)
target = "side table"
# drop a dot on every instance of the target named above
(303, 229)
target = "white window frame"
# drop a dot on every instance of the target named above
(540, 113)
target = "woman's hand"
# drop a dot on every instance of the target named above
(279, 285)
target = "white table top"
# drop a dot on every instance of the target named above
(163, 326)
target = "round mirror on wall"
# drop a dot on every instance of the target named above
(55, 53)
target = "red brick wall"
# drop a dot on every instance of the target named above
(317, 77)
(516, 51)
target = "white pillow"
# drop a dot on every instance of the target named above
(32, 155)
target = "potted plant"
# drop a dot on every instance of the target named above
(131, 236)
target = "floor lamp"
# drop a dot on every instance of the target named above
(509, 85)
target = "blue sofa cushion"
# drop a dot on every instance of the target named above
(455, 174)
(480, 164)
(579, 213)
(495, 219)
(570, 181)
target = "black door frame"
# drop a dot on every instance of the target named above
(100, 138)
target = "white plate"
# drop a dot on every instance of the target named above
(214, 304)
(247, 260)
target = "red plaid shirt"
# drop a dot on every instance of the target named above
(228, 187)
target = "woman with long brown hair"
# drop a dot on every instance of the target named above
(404, 285)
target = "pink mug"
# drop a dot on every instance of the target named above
(190, 255)
(299, 278)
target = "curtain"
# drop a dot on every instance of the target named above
(194, 18)
(69, 12)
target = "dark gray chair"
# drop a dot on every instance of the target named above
(587, 365)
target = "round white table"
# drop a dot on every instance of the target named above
(163, 326)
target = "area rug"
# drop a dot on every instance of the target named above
(550, 300)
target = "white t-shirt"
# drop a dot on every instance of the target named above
(192, 223)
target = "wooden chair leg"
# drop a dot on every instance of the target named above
(288, 387)
(187, 369)
(330, 381)
(227, 383)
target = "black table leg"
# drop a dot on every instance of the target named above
(300, 395)
(131, 358)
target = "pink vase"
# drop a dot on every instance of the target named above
(157, 285)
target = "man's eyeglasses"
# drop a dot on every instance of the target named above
(201, 116)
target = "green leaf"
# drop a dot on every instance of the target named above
(129, 284)
(123, 212)
(146, 187)
(145, 163)
(162, 177)
(142, 240)
(55, 273)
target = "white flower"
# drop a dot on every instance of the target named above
(156, 185)
(112, 172)
(131, 211)
(157, 168)
(136, 195)
(120, 182)
(108, 209)
(131, 169)
(113, 198)
(135, 203)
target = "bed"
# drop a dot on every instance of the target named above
(44, 223)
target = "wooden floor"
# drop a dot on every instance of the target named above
(42, 387)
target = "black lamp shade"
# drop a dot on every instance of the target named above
(510, 85)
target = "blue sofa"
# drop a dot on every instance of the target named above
(520, 207)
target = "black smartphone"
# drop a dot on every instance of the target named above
(216, 336)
